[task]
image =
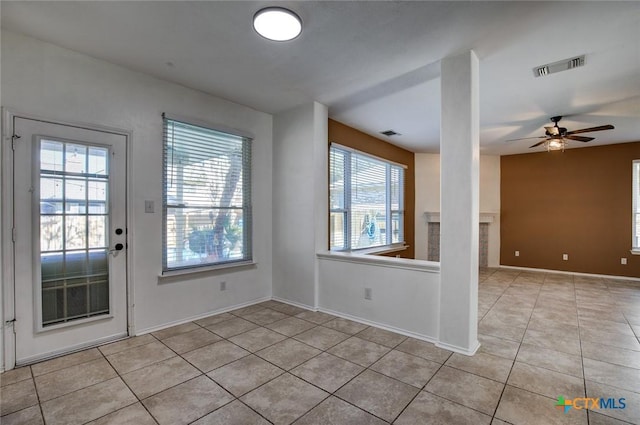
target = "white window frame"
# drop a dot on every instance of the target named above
(346, 211)
(246, 207)
(635, 213)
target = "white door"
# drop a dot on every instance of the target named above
(71, 238)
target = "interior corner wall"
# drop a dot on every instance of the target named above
(2, 236)
(577, 202)
(300, 204)
(428, 200)
(45, 80)
(355, 139)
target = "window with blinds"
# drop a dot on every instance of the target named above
(366, 197)
(207, 196)
(636, 205)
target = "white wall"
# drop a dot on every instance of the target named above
(405, 293)
(2, 237)
(299, 200)
(428, 199)
(59, 84)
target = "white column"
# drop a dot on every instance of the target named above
(300, 201)
(459, 184)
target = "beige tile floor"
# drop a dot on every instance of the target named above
(543, 335)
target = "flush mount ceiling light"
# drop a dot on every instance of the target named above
(277, 24)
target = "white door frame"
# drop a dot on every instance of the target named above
(7, 291)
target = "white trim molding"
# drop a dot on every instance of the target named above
(202, 316)
(485, 217)
(294, 303)
(415, 335)
(605, 276)
(382, 261)
(457, 349)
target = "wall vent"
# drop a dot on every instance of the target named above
(390, 133)
(563, 65)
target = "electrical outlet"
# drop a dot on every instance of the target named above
(565, 257)
(517, 253)
(623, 261)
(367, 293)
(223, 285)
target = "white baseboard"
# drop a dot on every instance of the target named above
(457, 349)
(400, 331)
(294, 303)
(69, 350)
(200, 316)
(605, 276)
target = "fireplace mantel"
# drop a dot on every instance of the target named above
(434, 217)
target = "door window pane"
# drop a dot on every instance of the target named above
(51, 155)
(75, 158)
(97, 231)
(50, 233)
(97, 160)
(74, 230)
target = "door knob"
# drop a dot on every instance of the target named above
(117, 248)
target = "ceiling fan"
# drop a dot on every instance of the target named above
(556, 137)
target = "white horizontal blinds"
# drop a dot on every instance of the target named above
(337, 199)
(207, 196)
(366, 200)
(397, 204)
(636, 204)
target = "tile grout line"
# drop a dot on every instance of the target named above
(284, 371)
(321, 351)
(495, 411)
(330, 394)
(201, 373)
(44, 421)
(421, 390)
(128, 387)
(584, 374)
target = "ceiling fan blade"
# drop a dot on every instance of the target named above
(526, 138)
(537, 144)
(589, 130)
(580, 138)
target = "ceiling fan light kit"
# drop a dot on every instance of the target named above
(556, 137)
(556, 145)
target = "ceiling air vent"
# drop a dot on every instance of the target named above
(563, 65)
(390, 133)
(543, 70)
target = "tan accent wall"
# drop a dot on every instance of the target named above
(576, 202)
(355, 139)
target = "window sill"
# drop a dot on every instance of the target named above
(384, 249)
(398, 263)
(635, 251)
(378, 249)
(207, 269)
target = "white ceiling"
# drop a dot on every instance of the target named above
(376, 64)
